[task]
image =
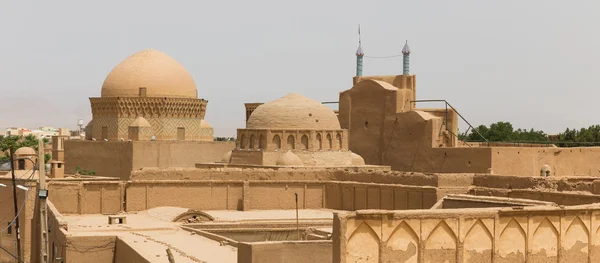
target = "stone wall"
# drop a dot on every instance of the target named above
(287, 251)
(533, 234)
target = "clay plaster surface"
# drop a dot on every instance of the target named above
(532, 234)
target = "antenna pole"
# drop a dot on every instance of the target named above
(297, 221)
(42, 195)
(14, 186)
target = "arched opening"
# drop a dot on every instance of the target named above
(338, 140)
(261, 142)
(251, 143)
(320, 141)
(277, 141)
(21, 164)
(243, 142)
(304, 142)
(291, 142)
(329, 141)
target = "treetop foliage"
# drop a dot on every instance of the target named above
(504, 132)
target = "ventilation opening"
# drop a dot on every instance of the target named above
(142, 92)
(117, 220)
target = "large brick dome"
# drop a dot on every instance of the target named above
(293, 111)
(161, 75)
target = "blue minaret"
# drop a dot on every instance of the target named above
(406, 58)
(359, 56)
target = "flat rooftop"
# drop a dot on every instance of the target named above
(153, 231)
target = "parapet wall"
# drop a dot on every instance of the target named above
(264, 195)
(533, 234)
(333, 188)
(119, 158)
(288, 251)
(111, 197)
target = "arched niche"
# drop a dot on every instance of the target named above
(291, 142)
(320, 141)
(363, 245)
(261, 142)
(243, 142)
(251, 143)
(277, 141)
(304, 142)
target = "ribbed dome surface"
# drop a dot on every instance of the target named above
(161, 75)
(293, 111)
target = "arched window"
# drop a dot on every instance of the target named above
(329, 141)
(251, 143)
(304, 142)
(277, 141)
(338, 139)
(291, 142)
(243, 142)
(320, 141)
(261, 142)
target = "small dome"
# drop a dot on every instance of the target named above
(546, 170)
(140, 122)
(293, 111)
(204, 124)
(161, 75)
(88, 130)
(356, 159)
(289, 159)
(226, 157)
(25, 151)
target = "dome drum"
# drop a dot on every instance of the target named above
(293, 140)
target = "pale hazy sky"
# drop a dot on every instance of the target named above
(528, 62)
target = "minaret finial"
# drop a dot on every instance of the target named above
(359, 55)
(406, 58)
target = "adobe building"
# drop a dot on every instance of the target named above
(309, 211)
(293, 131)
(25, 158)
(148, 115)
(386, 127)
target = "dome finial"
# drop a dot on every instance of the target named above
(359, 51)
(359, 55)
(406, 49)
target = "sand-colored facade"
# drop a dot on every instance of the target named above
(125, 157)
(386, 127)
(531, 234)
(292, 131)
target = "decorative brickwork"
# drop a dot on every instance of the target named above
(165, 115)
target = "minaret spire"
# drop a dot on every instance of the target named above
(406, 58)
(359, 55)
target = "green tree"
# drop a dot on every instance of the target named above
(576, 138)
(504, 132)
(8, 143)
